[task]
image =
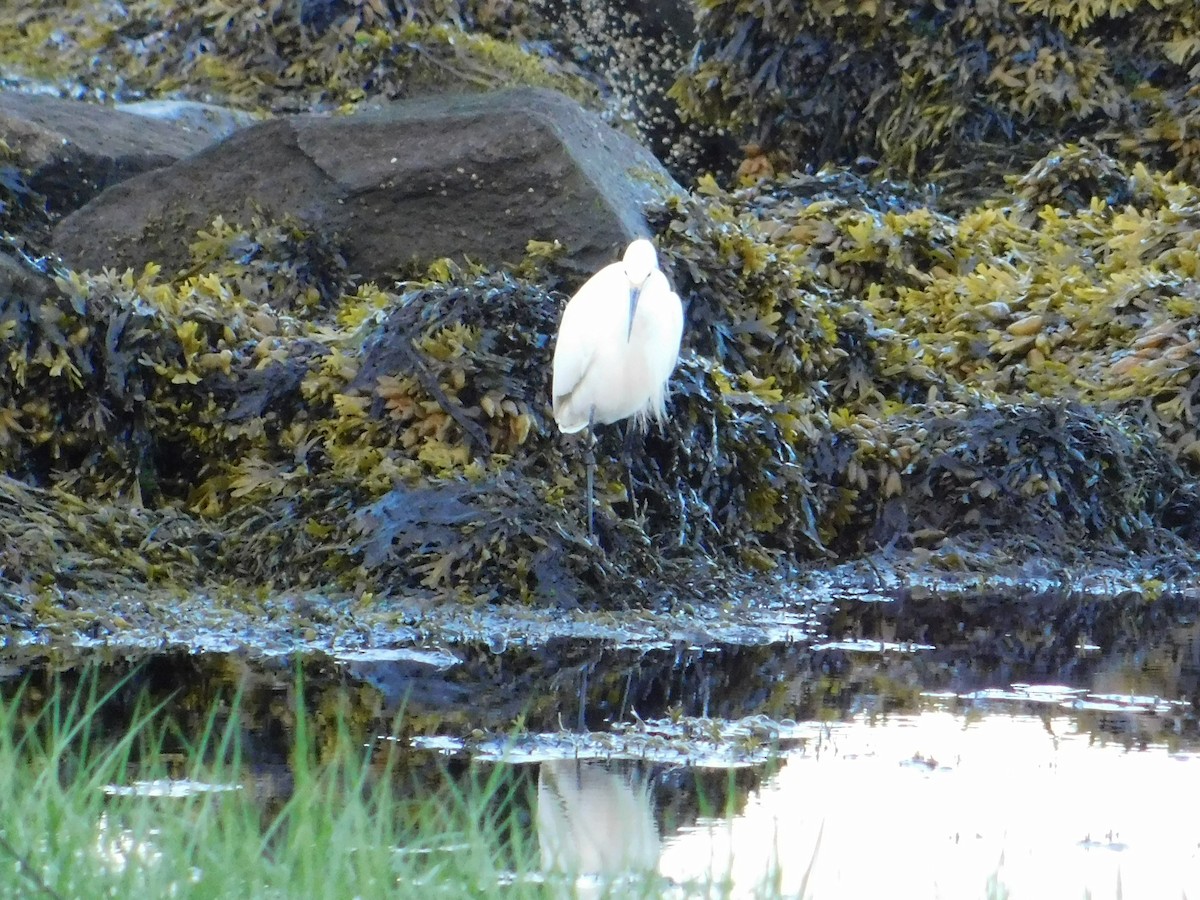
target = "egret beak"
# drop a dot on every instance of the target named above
(635, 291)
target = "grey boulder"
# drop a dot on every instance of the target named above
(70, 151)
(472, 176)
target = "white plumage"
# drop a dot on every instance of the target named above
(596, 819)
(617, 346)
(618, 343)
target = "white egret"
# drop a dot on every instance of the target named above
(617, 346)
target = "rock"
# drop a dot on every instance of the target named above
(73, 150)
(17, 281)
(473, 176)
(207, 121)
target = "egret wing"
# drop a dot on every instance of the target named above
(575, 349)
(667, 323)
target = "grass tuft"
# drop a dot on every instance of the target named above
(145, 810)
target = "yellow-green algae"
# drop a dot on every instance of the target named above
(860, 369)
(259, 56)
(965, 92)
(864, 365)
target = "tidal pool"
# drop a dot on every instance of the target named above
(1079, 798)
(933, 804)
(891, 750)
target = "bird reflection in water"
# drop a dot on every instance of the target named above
(596, 819)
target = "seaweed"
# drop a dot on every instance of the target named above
(865, 365)
(273, 56)
(962, 93)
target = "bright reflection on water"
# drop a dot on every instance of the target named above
(924, 805)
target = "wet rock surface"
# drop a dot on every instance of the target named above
(209, 119)
(470, 177)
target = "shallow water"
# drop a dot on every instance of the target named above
(927, 805)
(919, 749)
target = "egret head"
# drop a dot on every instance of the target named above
(640, 260)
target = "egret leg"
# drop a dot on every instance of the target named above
(627, 458)
(589, 459)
